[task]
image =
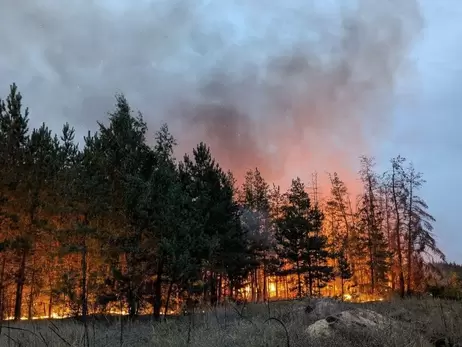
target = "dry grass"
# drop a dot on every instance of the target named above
(277, 324)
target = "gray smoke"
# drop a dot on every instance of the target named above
(287, 85)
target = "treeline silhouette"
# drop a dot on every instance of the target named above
(121, 223)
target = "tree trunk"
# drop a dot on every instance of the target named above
(254, 285)
(205, 279)
(277, 287)
(391, 243)
(371, 229)
(265, 285)
(31, 297)
(2, 290)
(219, 286)
(20, 286)
(318, 286)
(84, 295)
(158, 290)
(50, 305)
(409, 236)
(132, 301)
(259, 286)
(310, 282)
(231, 290)
(310, 275)
(83, 284)
(131, 297)
(371, 262)
(167, 301)
(398, 236)
(213, 289)
(299, 280)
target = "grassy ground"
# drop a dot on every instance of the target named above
(277, 324)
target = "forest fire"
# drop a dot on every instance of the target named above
(53, 316)
(121, 228)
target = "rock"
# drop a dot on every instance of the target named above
(321, 308)
(361, 321)
(321, 328)
(359, 318)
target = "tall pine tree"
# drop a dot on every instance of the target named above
(300, 241)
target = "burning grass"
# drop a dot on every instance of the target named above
(423, 322)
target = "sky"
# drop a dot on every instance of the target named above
(293, 87)
(431, 137)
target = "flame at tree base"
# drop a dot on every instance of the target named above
(258, 289)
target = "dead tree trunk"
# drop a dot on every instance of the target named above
(398, 234)
(409, 235)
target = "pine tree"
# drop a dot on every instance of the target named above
(238, 256)
(319, 273)
(14, 142)
(217, 214)
(371, 239)
(256, 205)
(122, 157)
(419, 226)
(171, 221)
(34, 190)
(233, 243)
(341, 206)
(300, 241)
(79, 182)
(396, 182)
(386, 207)
(340, 223)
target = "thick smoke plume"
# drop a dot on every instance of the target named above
(290, 86)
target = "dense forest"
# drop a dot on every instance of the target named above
(121, 225)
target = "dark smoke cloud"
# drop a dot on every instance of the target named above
(290, 86)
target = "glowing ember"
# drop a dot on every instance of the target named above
(347, 297)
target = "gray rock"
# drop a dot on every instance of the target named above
(321, 308)
(348, 319)
(358, 320)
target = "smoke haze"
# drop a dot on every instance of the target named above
(291, 87)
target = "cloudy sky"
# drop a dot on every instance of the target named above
(293, 87)
(431, 138)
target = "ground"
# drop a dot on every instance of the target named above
(416, 322)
